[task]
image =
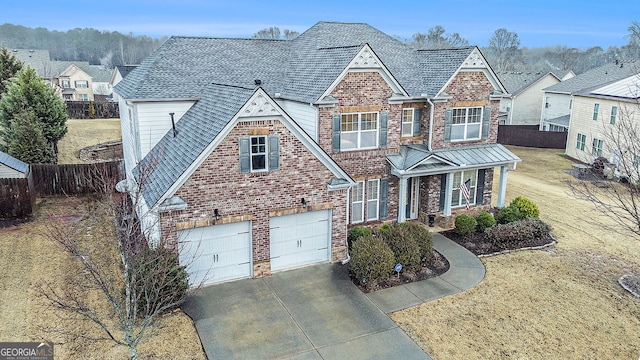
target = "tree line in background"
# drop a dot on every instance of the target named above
(97, 47)
(504, 52)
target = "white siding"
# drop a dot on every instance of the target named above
(7, 172)
(559, 105)
(527, 106)
(129, 148)
(304, 114)
(582, 123)
(154, 121)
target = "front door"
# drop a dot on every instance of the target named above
(413, 185)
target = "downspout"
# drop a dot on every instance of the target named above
(345, 261)
(430, 124)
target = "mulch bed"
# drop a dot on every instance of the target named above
(436, 266)
(477, 245)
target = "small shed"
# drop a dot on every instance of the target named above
(11, 167)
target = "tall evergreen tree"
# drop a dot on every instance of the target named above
(9, 67)
(28, 143)
(29, 92)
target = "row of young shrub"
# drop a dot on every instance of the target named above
(520, 208)
(516, 224)
(374, 254)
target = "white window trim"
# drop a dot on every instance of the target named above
(359, 203)
(466, 123)
(596, 147)
(581, 142)
(359, 132)
(408, 123)
(265, 154)
(376, 199)
(614, 115)
(472, 191)
(596, 110)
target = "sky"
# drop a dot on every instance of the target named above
(574, 23)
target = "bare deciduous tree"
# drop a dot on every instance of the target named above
(618, 201)
(435, 38)
(504, 50)
(135, 282)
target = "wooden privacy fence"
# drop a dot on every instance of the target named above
(16, 198)
(75, 179)
(101, 109)
(530, 136)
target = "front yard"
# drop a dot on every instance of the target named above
(558, 303)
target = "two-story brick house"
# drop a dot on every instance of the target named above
(265, 151)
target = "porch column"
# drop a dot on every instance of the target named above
(447, 195)
(402, 201)
(502, 189)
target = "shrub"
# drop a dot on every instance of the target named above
(371, 259)
(484, 220)
(161, 280)
(465, 225)
(384, 229)
(421, 235)
(405, 248)
(517, 233)
(355, 233)
(528, 208)
(509, 214)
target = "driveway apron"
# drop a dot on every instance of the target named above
(309, 313)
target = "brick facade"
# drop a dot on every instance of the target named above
(218, 184)
(466, 89)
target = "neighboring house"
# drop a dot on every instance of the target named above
(594, 115)
(557, 99)
(11, 167)
(73, 80)
(265, 151)
(119, 72)
(523, 103)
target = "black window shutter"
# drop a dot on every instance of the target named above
(486, 122)
(274, 152)
(384, 120)
(335, 135)
(417, 121)
(245, 156)
(448, 121)
(384, 199)
(480, 187)
(443, 190)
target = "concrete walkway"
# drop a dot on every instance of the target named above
(317, 313)
(465, 272)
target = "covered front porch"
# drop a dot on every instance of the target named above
(430, 181)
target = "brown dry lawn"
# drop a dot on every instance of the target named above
(83, 133)
(28, 260)
(560, 303)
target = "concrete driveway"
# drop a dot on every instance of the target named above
(309, 313)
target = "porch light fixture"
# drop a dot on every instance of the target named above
(216, 213)
(303, 202)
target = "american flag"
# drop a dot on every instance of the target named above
(464, 189)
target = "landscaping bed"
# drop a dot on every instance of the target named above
(479, 245)
(435, 266)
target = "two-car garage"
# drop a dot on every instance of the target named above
(223, 252)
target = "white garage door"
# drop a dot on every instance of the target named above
(222, 252)
(300, 239)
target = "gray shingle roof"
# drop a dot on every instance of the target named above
(171, 157)
(299, 69)
(561, 120)
(435, 68)
(452, 159)
(597, 76)
(516, 81)
(15, 164)
(125, 69)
